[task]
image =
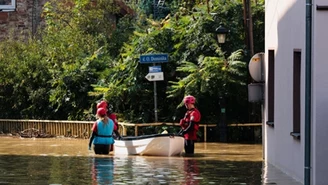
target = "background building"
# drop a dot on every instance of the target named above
(284, 112)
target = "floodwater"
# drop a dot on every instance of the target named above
(68, 162)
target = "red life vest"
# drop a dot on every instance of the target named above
(184, 123)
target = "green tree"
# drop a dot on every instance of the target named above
(24, 80)
(74, 44)
(211, 78)
(186, 36)
(84, 55)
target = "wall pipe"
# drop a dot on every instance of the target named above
(308, 76)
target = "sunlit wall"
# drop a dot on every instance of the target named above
(285, 33)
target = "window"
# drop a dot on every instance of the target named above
(7, 5)
(296, 94)
(271, 88)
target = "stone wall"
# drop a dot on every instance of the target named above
(24, 20)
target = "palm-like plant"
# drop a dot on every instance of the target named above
(210, 79)
(211, 75)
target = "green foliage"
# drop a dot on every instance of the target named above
(85, 55)
(146, 6)
(23, 80)
(211, 77)
(92, 17)
(75, 53)
(258, 22)
(197, 66)
(62, 66)
(211, 72)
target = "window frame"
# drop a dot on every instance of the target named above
(297, 62)
(271, 87)
(11, 7)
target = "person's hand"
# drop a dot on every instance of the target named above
(89, 147)
(182, 133)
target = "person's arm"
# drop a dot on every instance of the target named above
(190, 126)
(115, 128)
(93, 134)
(91, 139)
(117, 134)
(183, 130)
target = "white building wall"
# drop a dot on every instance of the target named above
(271, 20)
(320, 95)
(285, 32)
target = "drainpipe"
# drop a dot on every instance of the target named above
(308, 58)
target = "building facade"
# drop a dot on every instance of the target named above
(285, 88)
(19, 16)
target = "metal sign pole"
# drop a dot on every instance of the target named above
(155, 72)
(155, 100)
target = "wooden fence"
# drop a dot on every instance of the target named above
(82, 129)
(51, 127)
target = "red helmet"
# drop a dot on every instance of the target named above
(101, 112)
(189, 99)
(102, 104)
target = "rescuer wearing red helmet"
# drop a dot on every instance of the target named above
(102, 131)
(112, 116)
(190, 124)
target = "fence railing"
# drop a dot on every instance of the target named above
(136, 125)
(82, 129)
(51, 127)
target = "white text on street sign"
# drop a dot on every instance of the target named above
(154, 58)
(155, 69)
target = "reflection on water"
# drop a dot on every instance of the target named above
(140, 170)
(68, 161)
(102, 170)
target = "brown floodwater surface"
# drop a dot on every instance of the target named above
(68, 161)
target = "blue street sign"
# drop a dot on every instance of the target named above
(154, 58)
(155, 69)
